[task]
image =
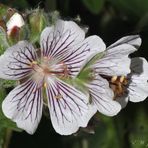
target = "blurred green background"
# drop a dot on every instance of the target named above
(110, 19)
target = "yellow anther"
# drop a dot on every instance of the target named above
(45, 58)
(45, 85)
(114, 78)
(122, 78)
(34, 62)
(118, 85)
(58, 96)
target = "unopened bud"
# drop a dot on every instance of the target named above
(16, 21)
(37, 22)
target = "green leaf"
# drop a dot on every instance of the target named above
(50, 5)
(94, 6)
(21, 4)
(105, 136)
(3, 11)
(7, 83)
(139, 133)
(2, 136)
(3, 40)
(133, 8)
(143, 23)
(5, 122)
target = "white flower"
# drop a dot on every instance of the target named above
(136, 88)
(63, 52)
(115, 62)
(16, 20)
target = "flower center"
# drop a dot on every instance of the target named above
(117, 84)
(48, 67)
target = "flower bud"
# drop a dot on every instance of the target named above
(37, 22)
(15, 22)
(14, 27)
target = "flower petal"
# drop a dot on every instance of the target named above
(66, 44)
(15, 63)
(24, 105)
(58, 39)
(123, 100)
(81, 53)
(138, 90)
(115, 61)
(68, 107)
(139, 66)
(102, 96)
(133, 40)
(138, 87)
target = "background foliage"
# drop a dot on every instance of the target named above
(110, 19)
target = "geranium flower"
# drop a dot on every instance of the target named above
(62, 53)
(135, 84)
(111, 64)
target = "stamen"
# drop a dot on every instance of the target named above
(113, 79)
(34, 62)
(117, 84)
(45, 85)
(46, 58)
(58, 96)
(60, 69)
(65, 71)
(122, 78)
(125, 82)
